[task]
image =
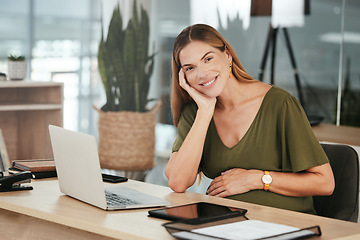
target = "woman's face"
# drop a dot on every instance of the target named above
(206, 68)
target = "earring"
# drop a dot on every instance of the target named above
(230, 66)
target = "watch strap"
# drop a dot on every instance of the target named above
(266, 186)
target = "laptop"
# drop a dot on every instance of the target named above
(79, 174)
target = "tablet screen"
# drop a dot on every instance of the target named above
(192, 211)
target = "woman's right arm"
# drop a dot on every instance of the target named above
(183, 165)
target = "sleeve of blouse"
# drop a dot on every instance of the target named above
(186, 121)
(300, 148)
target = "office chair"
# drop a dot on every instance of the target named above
(343, 204)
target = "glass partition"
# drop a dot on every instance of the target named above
(315, 48)
(60, 40)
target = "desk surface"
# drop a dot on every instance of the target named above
(45, 204)
(337, 134)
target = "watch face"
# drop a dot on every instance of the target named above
(267, 179)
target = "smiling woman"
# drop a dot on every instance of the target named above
(251, 138)
(214, 43)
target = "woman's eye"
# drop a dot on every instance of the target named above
(208, 59)
(188, 69)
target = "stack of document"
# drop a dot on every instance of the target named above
(239, 230)
(40, 168)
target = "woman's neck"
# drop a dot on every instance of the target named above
(234, 93)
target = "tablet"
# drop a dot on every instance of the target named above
(195, 211)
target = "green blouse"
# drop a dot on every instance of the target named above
(279, 139)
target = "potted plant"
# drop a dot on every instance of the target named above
(126, 126)
(16, 67)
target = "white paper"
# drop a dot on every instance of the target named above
(245, 230)
(192, 236)
(287, 13)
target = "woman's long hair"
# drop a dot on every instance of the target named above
(209, 35)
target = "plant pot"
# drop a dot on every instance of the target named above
(127, 139)
(16, 70)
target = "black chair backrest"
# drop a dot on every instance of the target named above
(343, 204)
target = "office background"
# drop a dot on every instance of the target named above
(60, 41)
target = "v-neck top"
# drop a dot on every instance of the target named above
(280, 139)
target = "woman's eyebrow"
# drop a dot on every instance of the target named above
(207, 53)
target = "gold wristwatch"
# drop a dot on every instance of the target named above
(266, 179)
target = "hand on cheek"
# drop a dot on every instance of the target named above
(182, 81)
(203, 101)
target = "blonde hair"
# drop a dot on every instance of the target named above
(209, 35)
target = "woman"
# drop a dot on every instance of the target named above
(251, 138)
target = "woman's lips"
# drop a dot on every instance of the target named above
(209, 83)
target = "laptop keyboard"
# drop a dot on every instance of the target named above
(113, 199)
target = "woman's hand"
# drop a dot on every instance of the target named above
(317, 180)
(235, 181)
(202, 101)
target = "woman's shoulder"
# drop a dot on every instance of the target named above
(278, 98)
(279, 94)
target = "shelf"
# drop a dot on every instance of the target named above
(26, 110)
(27, 84)
(28, 107)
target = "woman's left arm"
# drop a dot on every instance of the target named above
(317, 180)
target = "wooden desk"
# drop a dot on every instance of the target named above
(337, 134)
(45, 213)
